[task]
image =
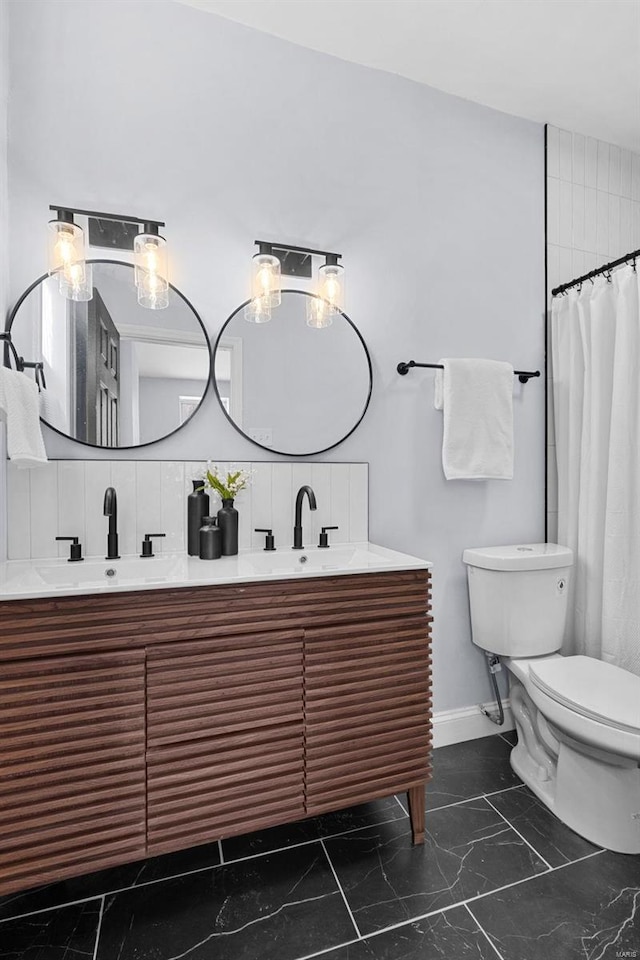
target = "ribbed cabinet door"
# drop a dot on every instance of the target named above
(72, 787)
(225, 737)
(367, 711)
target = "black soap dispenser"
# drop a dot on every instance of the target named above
(197, 508)
(210, 539)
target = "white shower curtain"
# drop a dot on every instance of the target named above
(595, 344)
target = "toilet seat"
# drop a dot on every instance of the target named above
(592, 688)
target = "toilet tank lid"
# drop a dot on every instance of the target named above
(522, 556)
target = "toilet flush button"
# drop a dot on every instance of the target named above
(561, 585)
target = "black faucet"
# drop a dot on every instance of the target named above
(111, 511)
(297, 530)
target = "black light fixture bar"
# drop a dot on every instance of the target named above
(287, 246)
(61, 209)
(404, 367)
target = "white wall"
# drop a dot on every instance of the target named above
(228, 134)
(593, 217)
(4, 238)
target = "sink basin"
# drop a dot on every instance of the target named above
(314, 560)
(100, 572)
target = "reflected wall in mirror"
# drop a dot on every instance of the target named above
(117, 375)
(291, 388)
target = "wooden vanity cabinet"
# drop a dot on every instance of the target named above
(134, 724)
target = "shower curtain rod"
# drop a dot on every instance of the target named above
(596, 273)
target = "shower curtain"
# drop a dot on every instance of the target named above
(595, 350)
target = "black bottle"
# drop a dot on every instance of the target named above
(197, 508)
(210, 539)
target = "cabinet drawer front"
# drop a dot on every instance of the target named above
(224, 686)
(367, 711)
(227, 785)
(225, 737)
(72, 741)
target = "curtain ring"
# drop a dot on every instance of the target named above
(633, 264)
(579, 289)
(607, 274)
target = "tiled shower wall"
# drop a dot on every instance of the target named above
(65, 498)
(593, 217)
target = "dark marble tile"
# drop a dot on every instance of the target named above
(448, 935)
(586, 911)
(274, 838)
(68, 933)
(105, 881)
(554, 841)
(363, 815)
(469, 849)
(470, 769)
(277, 907)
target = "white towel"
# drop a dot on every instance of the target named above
(20, 405)
(476, 397)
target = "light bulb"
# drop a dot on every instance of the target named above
(66, 246)
(151, 269)
(331, 286)
(76, 282)
(318, 314)
(258, 310)
(266, 278)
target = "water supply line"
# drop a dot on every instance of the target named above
(494, 666)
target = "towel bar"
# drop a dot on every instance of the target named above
(404, 367)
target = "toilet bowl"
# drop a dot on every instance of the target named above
(578, 719)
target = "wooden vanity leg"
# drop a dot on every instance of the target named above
(416, 796)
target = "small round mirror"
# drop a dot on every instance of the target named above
(288, 386)
(117, 374)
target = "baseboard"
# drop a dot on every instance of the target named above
(467, 723)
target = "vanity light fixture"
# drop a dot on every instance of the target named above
(67, 257)
(331, 283)
(266, 284)
(151, 268)
(274, 260)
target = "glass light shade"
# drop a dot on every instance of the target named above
(150, 257)
(153, 292)
(318, 313)
(65, 246)
(266, 278)
(76, 282)
(258, 310)
(331, 286)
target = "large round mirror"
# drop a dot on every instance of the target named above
(117, 374)
(289, 387)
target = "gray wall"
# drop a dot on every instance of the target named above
(159, 399)
(436, 204)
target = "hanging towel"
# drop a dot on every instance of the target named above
(476, 397)
(20, 406)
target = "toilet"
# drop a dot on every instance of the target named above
(578, 719)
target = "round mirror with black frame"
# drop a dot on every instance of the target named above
(288, 386)
(117, 374)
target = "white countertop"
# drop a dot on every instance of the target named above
(27, 579)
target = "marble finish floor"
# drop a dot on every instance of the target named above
(498, 877)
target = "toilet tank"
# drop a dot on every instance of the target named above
(518, 597)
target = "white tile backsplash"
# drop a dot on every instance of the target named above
(65, 498)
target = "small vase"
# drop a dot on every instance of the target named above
(228, 523)
(197, 508)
